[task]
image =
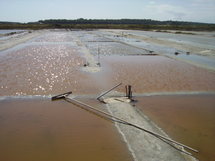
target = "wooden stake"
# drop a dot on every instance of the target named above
(108, 91)
(128, 91)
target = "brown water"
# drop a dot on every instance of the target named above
(52, 63)
(189, 119)
(38, 129)
(158, 74)
(44, 70)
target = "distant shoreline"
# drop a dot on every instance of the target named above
(133, 24)
(109, 26)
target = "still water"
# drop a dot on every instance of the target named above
(187, 118)
(38, 129)
(35, 129)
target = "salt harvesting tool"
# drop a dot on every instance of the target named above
(76, 102)
(98, 98)
(61, 96)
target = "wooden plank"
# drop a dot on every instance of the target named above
(114, 118)
(108, 91)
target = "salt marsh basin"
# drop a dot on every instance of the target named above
(49, 62)
(37, 129)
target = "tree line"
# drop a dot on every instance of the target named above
(117, 21)
(135, 24)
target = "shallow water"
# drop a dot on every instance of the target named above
(158, 74)
(52, 69)
(38, 129)
(9, 31)
(188, 119)
(196, 40)
(15, 34)
(201, 60)
(48, 64)
(168, 44)
(40, 69)
(51, 64)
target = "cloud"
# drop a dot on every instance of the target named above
(166, 11)
(203, 10)
(185, 10)
(152, 2)
(203, 1)
(177, 15)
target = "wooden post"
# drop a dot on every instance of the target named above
(128, 91)
(99, 64)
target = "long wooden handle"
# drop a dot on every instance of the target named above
(130, 124)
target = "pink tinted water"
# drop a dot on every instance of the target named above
(187, 119)
(158, 74)
(38, 129)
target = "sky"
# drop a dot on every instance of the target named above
(180, 10)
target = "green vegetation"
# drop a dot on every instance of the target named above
(134, 24)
